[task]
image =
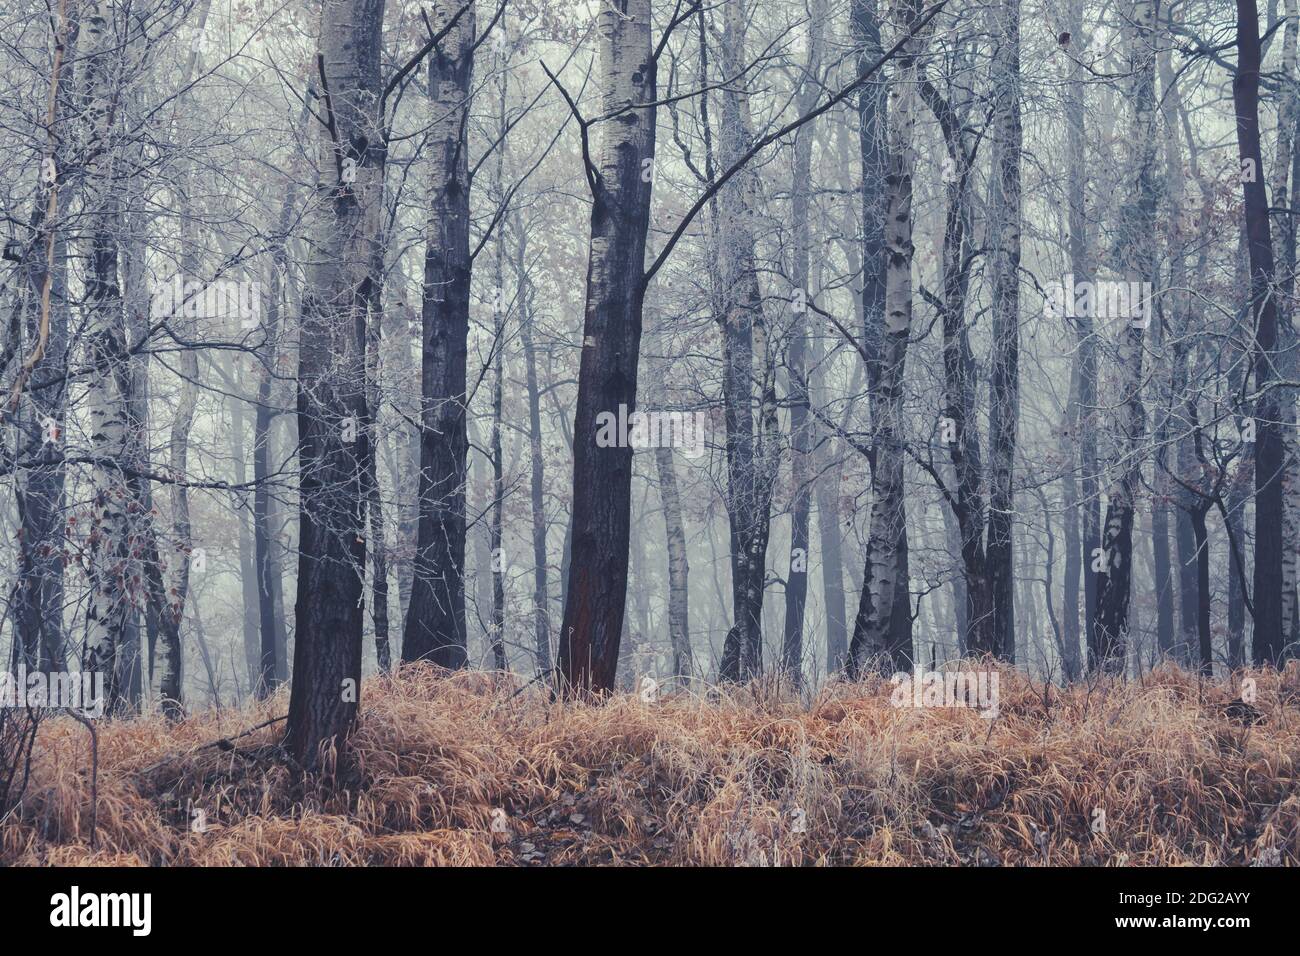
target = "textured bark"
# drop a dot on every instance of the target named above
(801, 426)
(1284, 254)
(435, 619)
(247, 558)
(1269, 642)
(374, 497)
(967, 498)
(496, 527)
(1004, 387)
(1084, 420)
(331, 385)
(751, 440)
(679, 618)
(587, 655)
(875, 638)
(272, 663)
(537, 474)
(112, 563)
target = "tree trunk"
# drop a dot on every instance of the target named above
(1269, 641)
(342, 227)
(620, 184)
(537, 476)
(1004, 388)
(435, 619)
(752, 455)
(801, 430)
(875, 637)
(112, 563)
(678, 568)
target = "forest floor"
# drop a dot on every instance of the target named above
(472, 769)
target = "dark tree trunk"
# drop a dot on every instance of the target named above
(1269, 644)
(1004, 387)
(435, 619)
(332, 385)
(611, 338)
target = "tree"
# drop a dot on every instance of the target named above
(1269, 646)
(435, 618)
(620, 180)
(342, 225)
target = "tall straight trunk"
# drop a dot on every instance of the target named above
(1071, 663)
(272, 662)
(1284, 255)
(830, 545)
(1204, 642)
(1178, 308)
(374, 496)
(1269, 643)
(1241, 484)
(435, 619)
(1108, 643)
(679, 633)
(1085, 417)
(168, 670)
(537, 469)
(499, 317)
(1004, 387)
(587, 656)
(1161, 563)
(497, 525)
(752, 455)
(342, 227)
(247, 559)
(875, 639)
(112, 563)
(374, 335)
(801, 430)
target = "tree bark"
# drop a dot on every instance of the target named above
(587, 656)
(435, 619)
(343, 225)
(875, 638)
(1269, 644)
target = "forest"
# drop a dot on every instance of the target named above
(656, 432)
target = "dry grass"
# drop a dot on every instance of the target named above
(440, 766)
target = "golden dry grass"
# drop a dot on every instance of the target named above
(464, 770)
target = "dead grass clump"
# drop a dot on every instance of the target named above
(470, 769)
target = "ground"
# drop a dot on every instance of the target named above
(485, 770)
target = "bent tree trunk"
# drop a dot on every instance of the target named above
(332, 384)
(587, 657)
(435, 617)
